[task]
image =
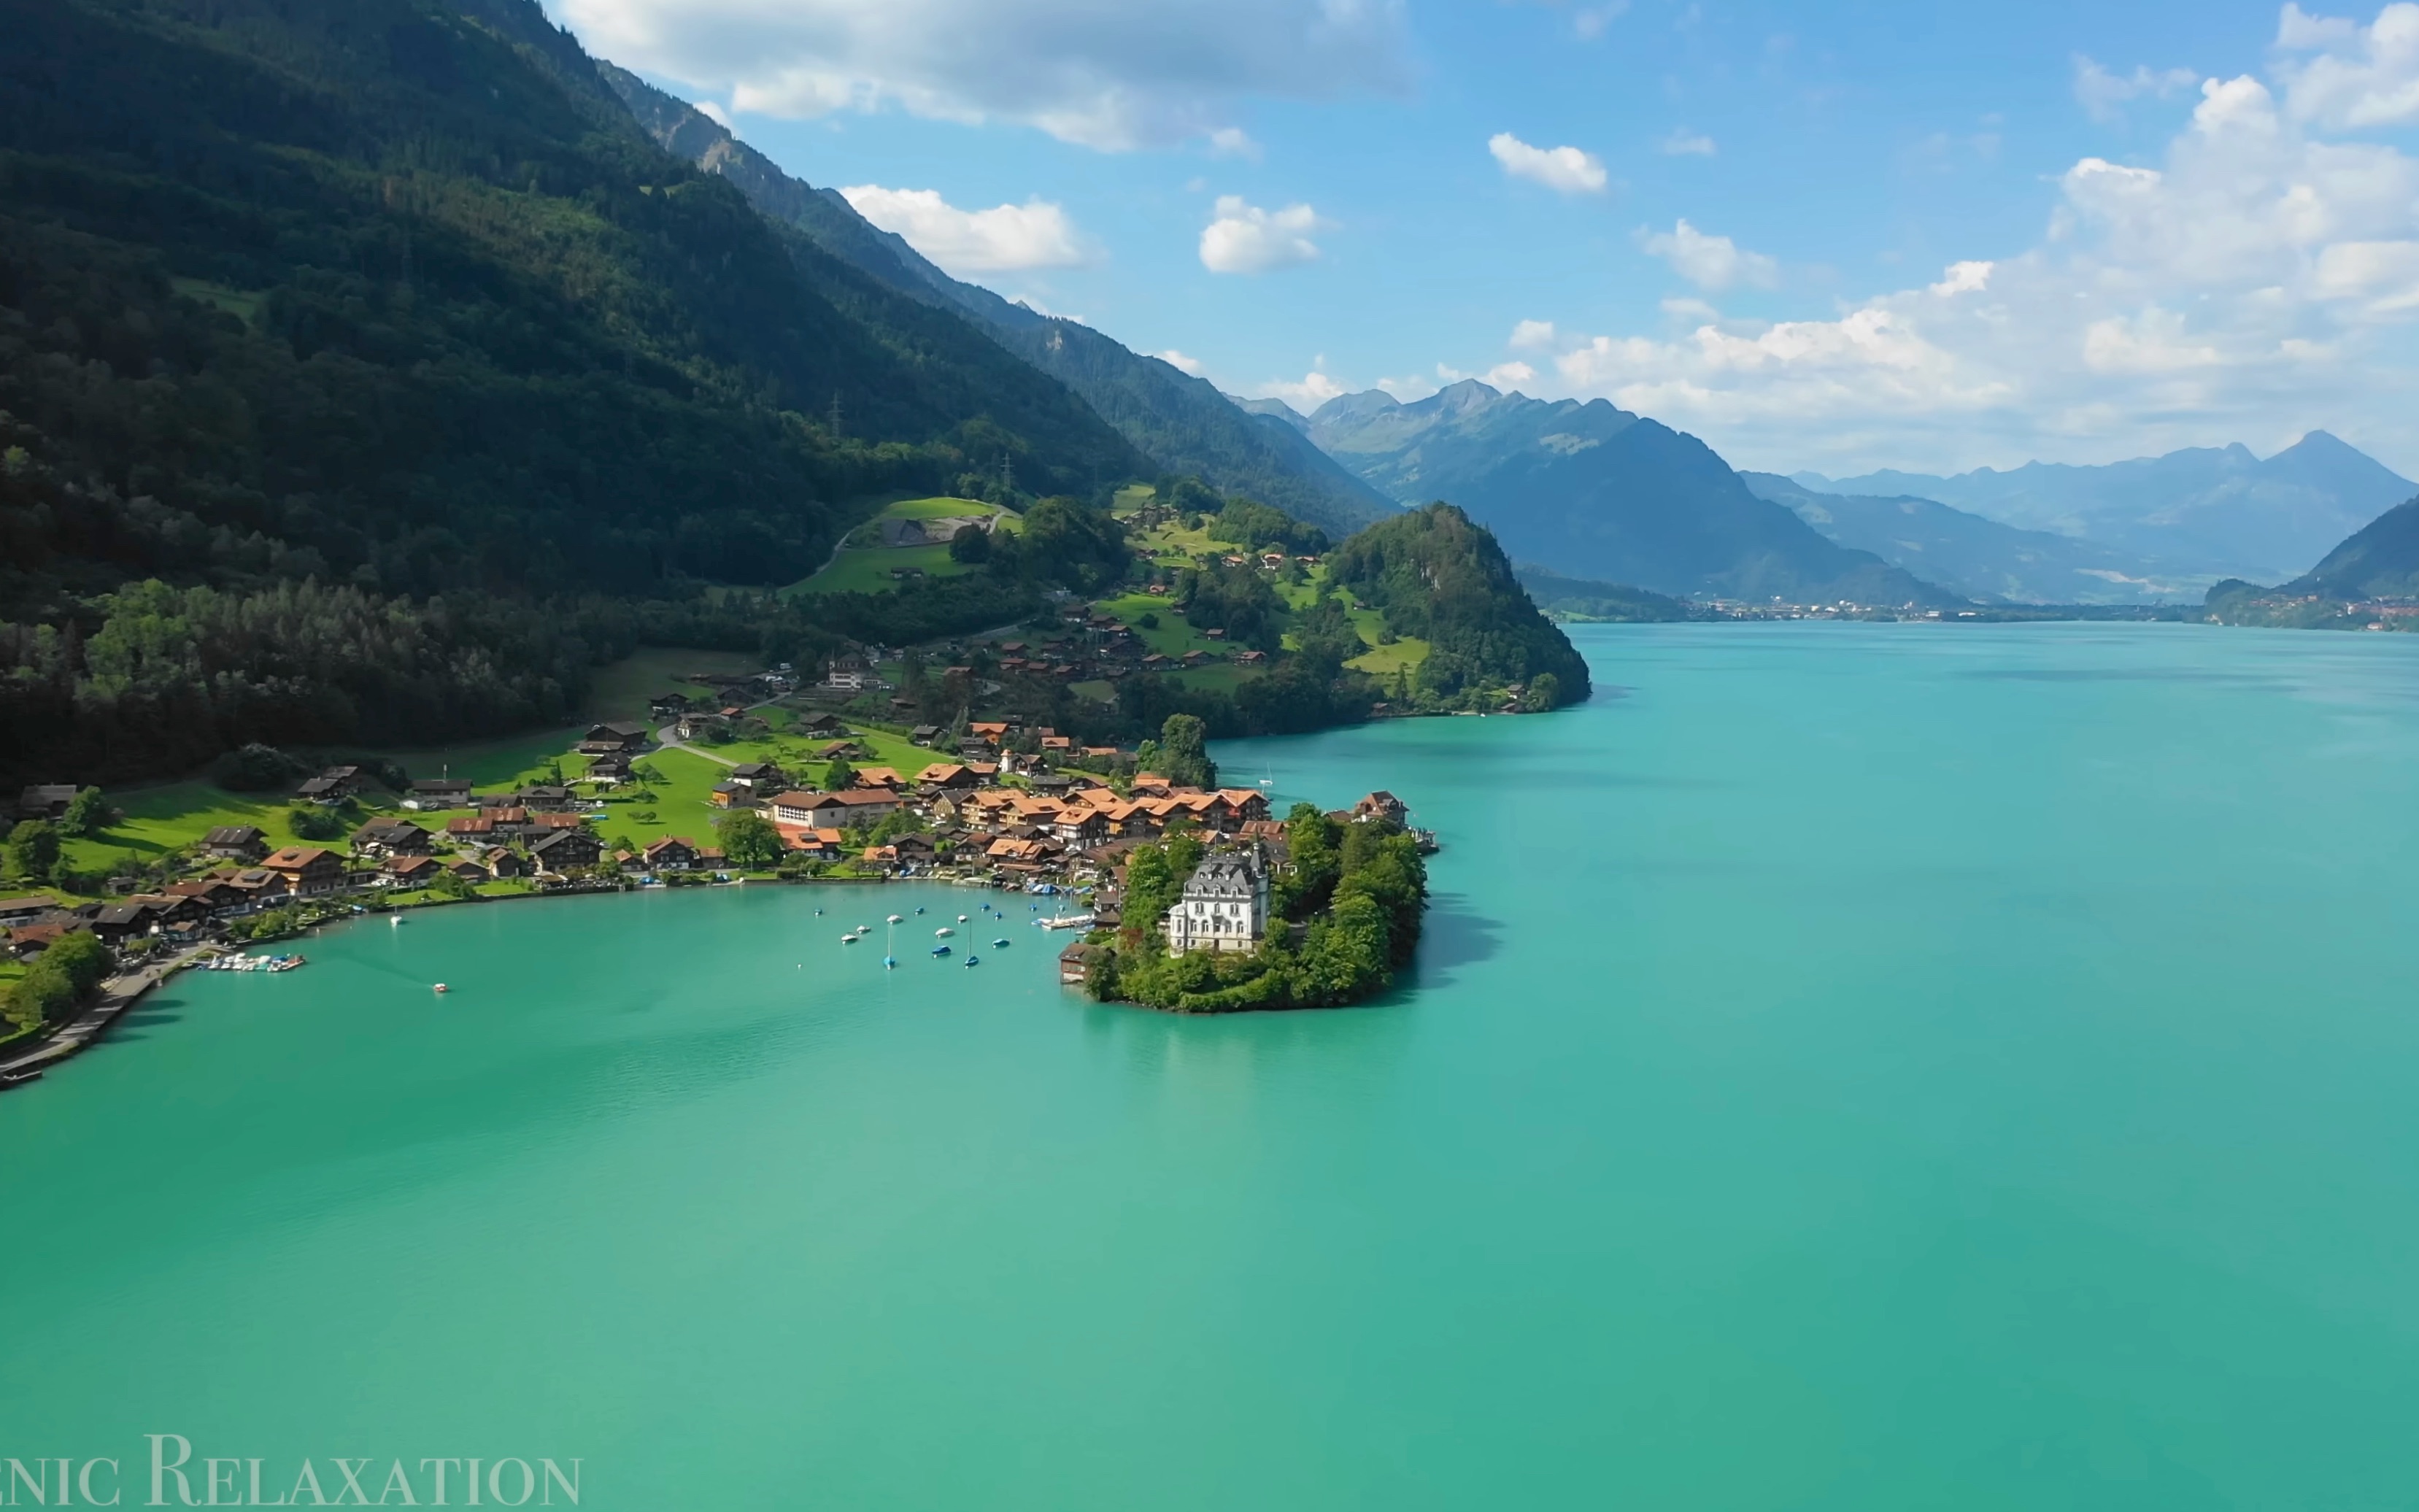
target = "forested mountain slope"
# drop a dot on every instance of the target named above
(1181, 422)
(320, 309)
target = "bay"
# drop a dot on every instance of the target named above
(1848, 1066)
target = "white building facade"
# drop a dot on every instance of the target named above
(1224, 906)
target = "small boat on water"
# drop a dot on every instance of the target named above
(848, 939)
(939, 950)
(1000, 944)
(974, 961)
(961, 918)
(395, 920)
(898, 918)
(943, 932)
(443, 988)
(1066, 921)
(255, 962)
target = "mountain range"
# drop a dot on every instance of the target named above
(1978, 557)
(1596, 493)
(1181, 422)
(2206, 512)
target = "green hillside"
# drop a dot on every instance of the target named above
(382, 327)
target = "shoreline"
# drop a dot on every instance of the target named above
(119, 995)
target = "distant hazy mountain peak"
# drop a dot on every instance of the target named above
(2203, 511)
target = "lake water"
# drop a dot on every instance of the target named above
(1849, 1067)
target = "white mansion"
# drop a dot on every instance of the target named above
(1224, 906)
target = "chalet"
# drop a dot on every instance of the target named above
(822, 844)
(608, 767)
(667, 705)
(619, 735)
(1057, 744)
(1080, 828)
(503, 863)
(545, 796)
(113, 924)
(174, 912)
(730, 795)
(704, 725)
(1155, 662)
(765, 775)
(469, 830)
(463, 868)
(629, 862)
(1075, 964)
(541, 824)
(924, 734)
(1215, 634)
(334, 785)
(947, 775)
(1381, 805)
(568, 850)
(914, 848)
(45, 801)
(880, 777)
(413, 870)
(26, 941)
(821, 724)
(236, 842)
(307, 871)
(392, 837)
(214, 895)
(989, 731)
(856, 806)
(260, 888)
(1225, 906)
(1196, 658)
(1251, 658)
(15, 911)
(840, 750)
(438, 792)
(672, 854)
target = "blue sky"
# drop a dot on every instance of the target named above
(1836, 236)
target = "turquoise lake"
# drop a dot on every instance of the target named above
(1848, 1068)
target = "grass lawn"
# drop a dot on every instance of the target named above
(682, 803)
(172, 816)
(868, 570)
(1100, 691)
(1384, 661)
(861, 569)
(1174, 636)
(940, 507)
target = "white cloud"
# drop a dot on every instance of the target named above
(1682, 143)
(1245, 238)
(719, 117)
(2255, 277)
(2362, 77)
(1588, 23)
(1564, 170)
(2104, 93)
(1233, 142)
(1035, 233)
(1501, 376)
(1189, 367)
(1104, 75)
(1529, 334)
(1963, 278)
(1315, 389)
(1707, 261)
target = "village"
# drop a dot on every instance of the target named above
(1003, 806)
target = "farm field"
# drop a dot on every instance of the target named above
(861, 567)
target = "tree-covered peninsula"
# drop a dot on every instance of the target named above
(1331, 906)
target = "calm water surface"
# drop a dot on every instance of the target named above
(1858, 1068)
